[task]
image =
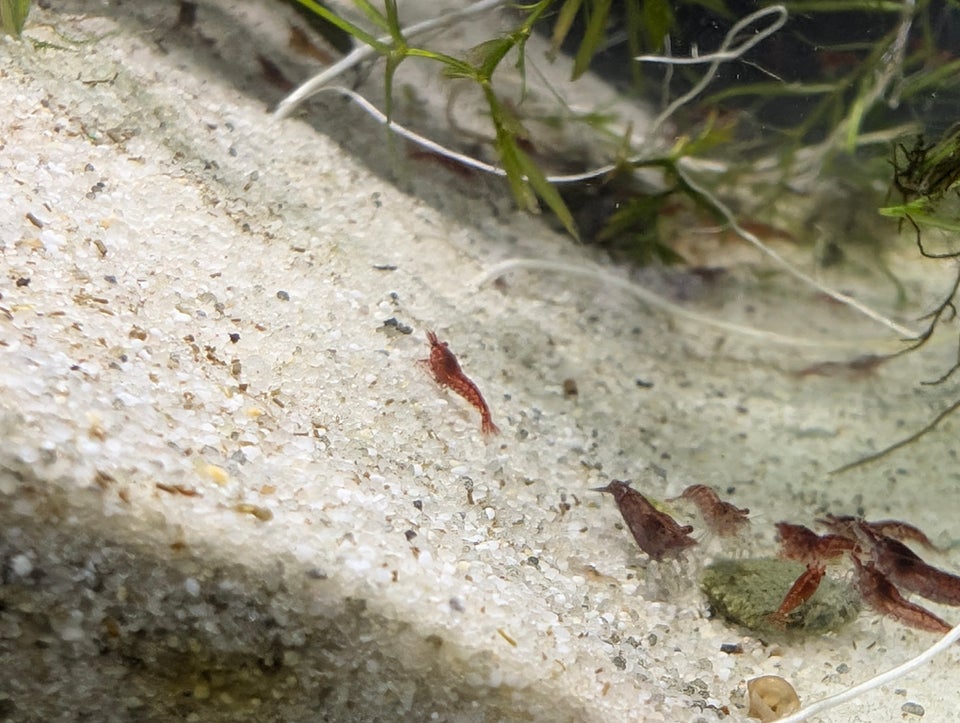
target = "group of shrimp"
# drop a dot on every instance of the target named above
(883, 563)
(657, 533)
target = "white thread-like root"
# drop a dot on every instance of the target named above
(380, 117)
(882, 679)
(724, 54)
(410, 135)
(655, 300)
(752, 239)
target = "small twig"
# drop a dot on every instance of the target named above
(936, 316)
(923, 252)
(902, 443)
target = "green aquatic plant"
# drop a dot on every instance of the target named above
(713, 153)
(924, 175)
(927, 177)
(849, 91)
(13, 16)
(527, 181)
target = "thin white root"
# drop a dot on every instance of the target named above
(358, 55)
(722, 55)
(655, 300)
(410, 135)
(752, 239)
(424, 142)
(887, 677)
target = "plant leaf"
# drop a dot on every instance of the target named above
(374, 15)
(657, 17)
(526, 180)
(562, 25)
(13, 16)
(345, 25)
(918, 211)
(546, 190)
(592, 37)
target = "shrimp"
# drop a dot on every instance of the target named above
(722, 517)
(882, 596)
(656, 532)
(802, 590)
(447, 373)
(902, 566)
(804, 545)
(903, 531)
(908, 571)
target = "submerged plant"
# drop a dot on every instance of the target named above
(714, 145)
(13, 16)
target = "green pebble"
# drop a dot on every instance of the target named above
(746, 592)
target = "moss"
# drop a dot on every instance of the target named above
(746, 592)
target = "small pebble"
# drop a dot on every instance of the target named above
(261, 513)
(912, 709)
(395, 326)
(21, 565)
